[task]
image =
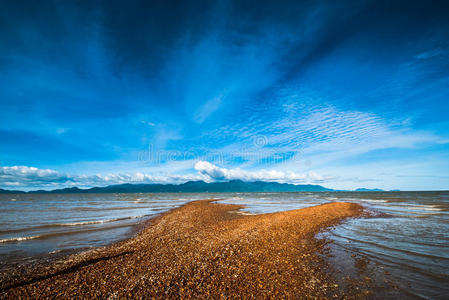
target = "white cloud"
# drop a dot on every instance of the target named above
(24, 177)
(30, 178)
(151, 124)
(17, 174)
(213, 172)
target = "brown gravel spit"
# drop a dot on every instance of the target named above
(201, 250)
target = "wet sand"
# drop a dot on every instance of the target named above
(203, 250)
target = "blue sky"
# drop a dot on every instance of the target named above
(345, 94)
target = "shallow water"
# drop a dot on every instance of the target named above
(407, 236)
(35, 224)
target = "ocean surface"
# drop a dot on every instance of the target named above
(405, 237)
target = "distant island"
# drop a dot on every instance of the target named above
(232, 186)
(369, 190)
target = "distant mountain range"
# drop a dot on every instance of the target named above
(191, 187)
(233, 186)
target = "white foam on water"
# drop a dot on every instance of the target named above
(374, 200)
(19, 239)
(417, 207)
(98, 222)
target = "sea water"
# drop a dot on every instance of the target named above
(406, 235)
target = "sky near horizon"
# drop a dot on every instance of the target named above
(344, 94)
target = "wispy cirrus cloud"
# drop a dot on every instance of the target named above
(304, 87)
(323, 132)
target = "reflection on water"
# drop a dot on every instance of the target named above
(407, 237)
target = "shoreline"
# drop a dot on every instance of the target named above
(201, 249)
(33, 261)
